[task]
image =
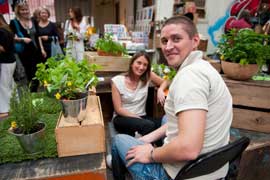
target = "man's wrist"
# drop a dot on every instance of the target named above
(152, 156)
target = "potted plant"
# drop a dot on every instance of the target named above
(243, 52)
(25, 124)
(107, 47)
(165, 72)
(68, 81)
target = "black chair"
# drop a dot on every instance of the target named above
(214, 160)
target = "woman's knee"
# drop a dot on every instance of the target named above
(147, 127)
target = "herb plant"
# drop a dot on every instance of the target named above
(107, 45)
(244, 47)
(23, 112)
(66, 78)
(163, 71)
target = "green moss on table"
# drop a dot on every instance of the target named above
(10, 150)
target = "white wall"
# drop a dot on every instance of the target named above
(211, 26)
(216, 15)
(164, 8)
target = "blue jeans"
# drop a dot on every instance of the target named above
(121, 144)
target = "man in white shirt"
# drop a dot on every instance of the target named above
(198, 109)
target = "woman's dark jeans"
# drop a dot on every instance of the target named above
(129, 125)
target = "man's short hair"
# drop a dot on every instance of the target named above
(188, 25)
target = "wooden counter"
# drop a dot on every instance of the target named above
(251, 101)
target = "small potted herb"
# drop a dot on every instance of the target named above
(25, 124)
(107, 47)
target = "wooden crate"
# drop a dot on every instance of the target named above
(85, 138)
(108, 63)
(255, 160)
(251, 100)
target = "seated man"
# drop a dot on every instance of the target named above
(198, 109)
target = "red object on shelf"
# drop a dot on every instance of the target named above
(4, 8)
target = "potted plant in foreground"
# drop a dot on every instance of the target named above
(25, 124)
(243, 52)
(68, 81)
(107, 47)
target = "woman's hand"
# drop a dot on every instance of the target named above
(43, 52)
(2, 49)
(27, 40)
(161, 96)
(145, 139)
(140, 153)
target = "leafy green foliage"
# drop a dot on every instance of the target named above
(245, 47)
(163, 71)
(66, 77)
(23, 111)
(107, 44)
(11, 150)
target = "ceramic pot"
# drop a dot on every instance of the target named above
(237, 71)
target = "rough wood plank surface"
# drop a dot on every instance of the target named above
(108, 63)
(94, 112)
(255, 164)
(62, 123)
(87, 138)
(255, 160)
(251, 120)
(250, 93)
(54, 167)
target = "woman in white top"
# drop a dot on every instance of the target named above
(129, 94)
(74, 33)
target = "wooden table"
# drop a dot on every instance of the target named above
(90, 166)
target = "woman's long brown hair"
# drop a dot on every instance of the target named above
(146, 75)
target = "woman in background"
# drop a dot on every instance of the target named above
(30, 56)
(47, 32)
(7, 66)
(74, 33)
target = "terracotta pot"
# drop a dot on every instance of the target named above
(103, 53)
(216, 64)
(237, 71)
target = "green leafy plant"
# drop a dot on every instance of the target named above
(163, 71)
(23, 112)
(106, 44)
(244, 47)
(66, 78)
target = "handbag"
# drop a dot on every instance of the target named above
(19, 46)
(56, 49)
(19, 73)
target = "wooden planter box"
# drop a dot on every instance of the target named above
(108, 63)
(251, 100)
(85, 138)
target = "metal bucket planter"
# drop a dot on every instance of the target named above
(32, 143)
(74, 111)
